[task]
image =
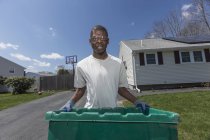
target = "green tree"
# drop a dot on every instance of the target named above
(2, 79)
(19, 84)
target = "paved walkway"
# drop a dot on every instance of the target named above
(27, 121)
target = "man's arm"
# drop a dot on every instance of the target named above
(139, 104)
(126, 94)
(78, 94)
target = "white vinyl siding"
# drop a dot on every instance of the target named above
(171, 73)
(9, 68)
(168, 58)
(126, 56)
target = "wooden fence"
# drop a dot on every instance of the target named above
(58, 82)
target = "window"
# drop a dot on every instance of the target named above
(185, 56)
(150, 59)
(12, 70)
(197, 56)
(192, 56)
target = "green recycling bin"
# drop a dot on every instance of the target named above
(112, 124)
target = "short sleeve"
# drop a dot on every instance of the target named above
(79, 80)
(123, 82)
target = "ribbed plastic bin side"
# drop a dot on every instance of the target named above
(112, 124)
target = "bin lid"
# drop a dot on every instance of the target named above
(118, 114)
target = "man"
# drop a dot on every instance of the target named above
(102, 75)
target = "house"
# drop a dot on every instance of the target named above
(37, 76)
(9, 68)
(166, 63)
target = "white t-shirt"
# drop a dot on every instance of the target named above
(102, 79)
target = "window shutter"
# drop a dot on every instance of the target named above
(176, 57)
(207, 55)
(141, 59)
(160, 58)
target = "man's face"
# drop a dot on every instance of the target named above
(99, 41)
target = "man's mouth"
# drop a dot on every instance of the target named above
(100, 47)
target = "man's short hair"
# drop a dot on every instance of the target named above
(98, 27)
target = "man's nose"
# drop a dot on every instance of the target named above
(99, 40)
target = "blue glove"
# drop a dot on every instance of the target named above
(142, 106)
(68, 106)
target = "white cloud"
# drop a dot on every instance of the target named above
(8, 45)
(186, 7)
(186, 11)
(133, 23)
(35, 61)
(52, 31)
(20, 57)
(52, 56)
(31, 69)
(41, 64)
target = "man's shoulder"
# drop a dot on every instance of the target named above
(83, 61)
(113, 58)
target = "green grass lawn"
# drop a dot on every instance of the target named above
(8, 100)
(193, 108)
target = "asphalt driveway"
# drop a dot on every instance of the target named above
(27, 121)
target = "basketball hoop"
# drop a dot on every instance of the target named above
(71, 59)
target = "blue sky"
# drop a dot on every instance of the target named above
(38, 34)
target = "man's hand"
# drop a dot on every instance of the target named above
(68, 106)
(143, 107)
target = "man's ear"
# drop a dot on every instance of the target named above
(108, 41)
(90, 41)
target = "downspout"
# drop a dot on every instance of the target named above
(141, 43)
(134, 73)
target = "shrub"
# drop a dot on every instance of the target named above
(19, 84)
(205, 84)
(2, 80)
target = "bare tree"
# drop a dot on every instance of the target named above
(160, 28)
(194, 28)
(174, 23)
(201, 12)
(170, 26)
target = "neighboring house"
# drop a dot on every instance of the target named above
(33, 75)
(166, 63)
(36, 76)
(46, 73)
(9, 68)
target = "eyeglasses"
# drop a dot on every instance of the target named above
(102, 38)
